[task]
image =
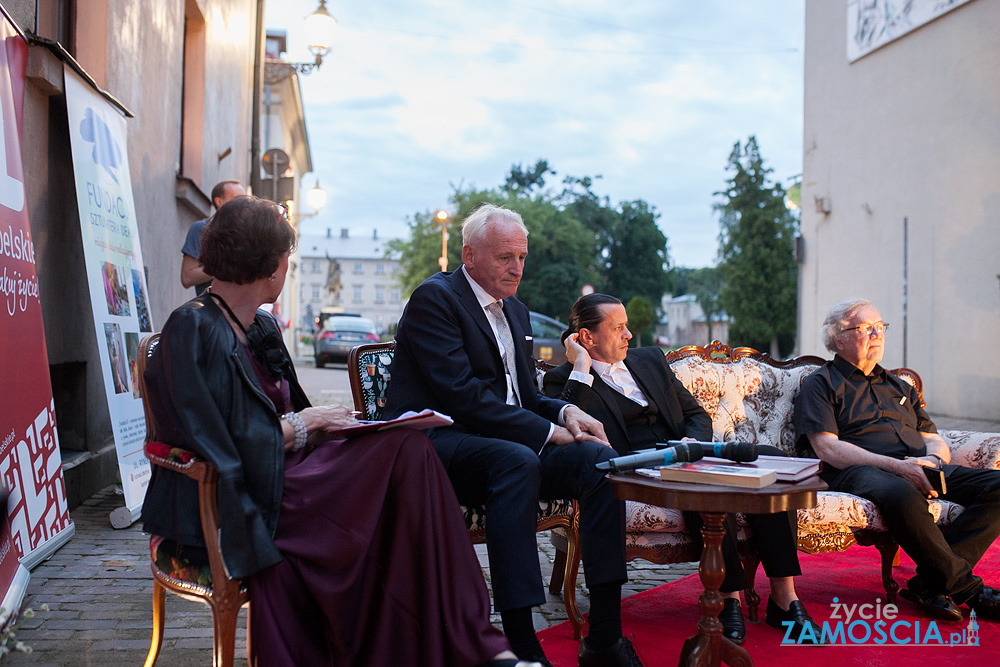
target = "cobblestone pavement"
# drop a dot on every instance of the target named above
(99, 591)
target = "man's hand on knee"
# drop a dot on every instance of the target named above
(582, 426)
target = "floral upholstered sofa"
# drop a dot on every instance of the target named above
(750, 398)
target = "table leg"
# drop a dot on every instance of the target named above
(708, 648)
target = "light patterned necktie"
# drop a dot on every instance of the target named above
(495, 310)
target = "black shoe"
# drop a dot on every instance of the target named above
(776, 617)
(733, 627)
(534, 659)
(935, 604)
(619, 654)
(986, 603)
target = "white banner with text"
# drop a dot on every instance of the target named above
(115, 274)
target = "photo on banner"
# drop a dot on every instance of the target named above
(115, 274)
(36, 521)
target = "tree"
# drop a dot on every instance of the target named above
(706, 285)
(641, 317)
(575, 238)
(756, 253)
(525, 180)
(418, 255)
(637, 259)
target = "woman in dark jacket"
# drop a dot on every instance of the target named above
(354, 551)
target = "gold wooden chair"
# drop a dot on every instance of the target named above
(368, 369)
(207, 583)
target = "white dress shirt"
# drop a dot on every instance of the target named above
(616, 376)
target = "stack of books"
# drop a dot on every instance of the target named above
(766, 470)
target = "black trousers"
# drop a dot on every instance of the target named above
(509, 478)
(944, 559)
(774, 536)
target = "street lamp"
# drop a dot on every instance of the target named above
(319, 28)
(442, 219)
(269, 71)
(316, 198)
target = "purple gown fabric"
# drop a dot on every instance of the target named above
(378, 567)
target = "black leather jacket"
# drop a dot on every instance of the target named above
(205, 397)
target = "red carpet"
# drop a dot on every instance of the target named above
(661, 619)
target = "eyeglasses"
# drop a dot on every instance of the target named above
(869, 329)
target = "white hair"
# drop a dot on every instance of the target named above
(838, 318)
(477, 223)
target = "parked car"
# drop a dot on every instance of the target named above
(546, 331)
(341, 333)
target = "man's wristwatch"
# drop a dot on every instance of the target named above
(940, 460)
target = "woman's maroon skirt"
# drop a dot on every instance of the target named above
(378, 567)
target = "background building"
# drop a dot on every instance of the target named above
(900, 190)
(686, 324)
(343, 273)
(182, 71)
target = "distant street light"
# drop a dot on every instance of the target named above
(442, 219)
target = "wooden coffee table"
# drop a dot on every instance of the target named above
(708, 647)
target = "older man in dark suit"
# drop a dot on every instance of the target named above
(641, 402)
(463, 347)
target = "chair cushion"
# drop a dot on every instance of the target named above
(179, 561)
(640, 517)
(747, 400)
(974, 449)
(475, 515)
(373, 368)
(649, 540)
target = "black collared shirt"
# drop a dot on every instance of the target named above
(879, 412)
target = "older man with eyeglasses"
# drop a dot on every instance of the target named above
(875, 441)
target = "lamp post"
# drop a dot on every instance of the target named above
(442, 219)
(269, 71)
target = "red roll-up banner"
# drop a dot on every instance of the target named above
(30, 463)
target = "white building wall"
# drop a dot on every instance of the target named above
(369, 280)
(908, 131)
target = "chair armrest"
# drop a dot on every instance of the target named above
(974, 449)
(187, 463)
(181, 460)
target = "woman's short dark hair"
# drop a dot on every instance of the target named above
(245, 239)
(587, 313)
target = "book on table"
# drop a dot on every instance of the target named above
(418, 420)
(713, 472)
(790, 469)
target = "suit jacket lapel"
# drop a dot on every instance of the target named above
(651, 384)
(607, 394)
(469, 301)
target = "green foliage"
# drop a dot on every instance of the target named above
(756, 254)
(575, 238)
(638, 262)
(527, 180)
(706, 285)
(641, 318)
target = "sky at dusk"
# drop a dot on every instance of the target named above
(418, 98)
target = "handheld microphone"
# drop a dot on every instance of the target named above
(681, 451)
(741, 452)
